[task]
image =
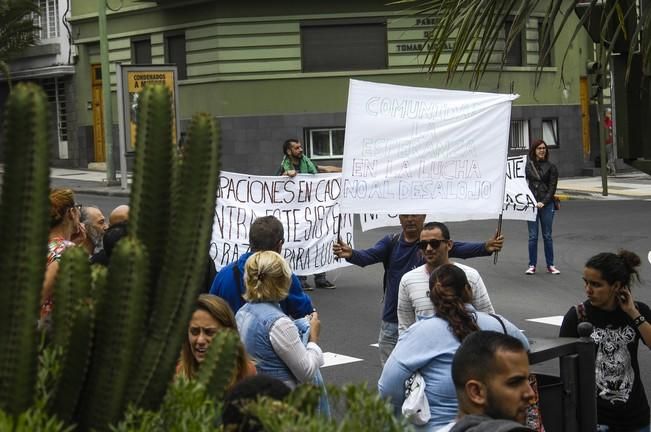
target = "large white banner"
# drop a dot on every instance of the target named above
(519, 202)
(306, 205)
(418, 151)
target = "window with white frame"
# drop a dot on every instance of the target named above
(325, 143)
(47, 19)
(550, 132)
(519, 135)
(55, 89)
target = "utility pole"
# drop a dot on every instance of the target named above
(107, 109)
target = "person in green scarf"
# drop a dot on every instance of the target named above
(295, 162)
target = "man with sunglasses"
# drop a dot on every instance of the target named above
(413, 290)
(399, 254)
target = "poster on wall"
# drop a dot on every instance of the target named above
(420, 150)
(131, 80)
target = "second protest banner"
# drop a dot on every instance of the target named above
(306, 205)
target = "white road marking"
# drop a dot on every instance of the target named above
(332, 359)
(555, 320)
(376, 345)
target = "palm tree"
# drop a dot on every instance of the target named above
(17, 29)
(468, 31)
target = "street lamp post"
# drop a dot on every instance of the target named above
(107, 109)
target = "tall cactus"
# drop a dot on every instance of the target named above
(134, 316)
(218, 368)
(193, 199)
(120, 329)
(149, 208)
(23, 236)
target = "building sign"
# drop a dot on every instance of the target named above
(133, 80)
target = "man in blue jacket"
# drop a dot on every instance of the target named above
(399, 253)
(266, 233)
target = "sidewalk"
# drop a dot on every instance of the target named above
(630, 185)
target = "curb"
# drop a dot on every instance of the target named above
(101, 192)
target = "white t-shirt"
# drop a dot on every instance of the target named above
(447, 427)
(413, 295)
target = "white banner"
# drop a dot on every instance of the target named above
(418, 150)
(306, 205)
(519, 202)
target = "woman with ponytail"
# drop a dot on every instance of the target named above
(618, 323)
(269, 336)
(429, 345)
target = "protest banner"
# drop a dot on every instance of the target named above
(519, 202)
(415, 150)
(306, 205)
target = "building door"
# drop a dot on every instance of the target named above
(98, 114)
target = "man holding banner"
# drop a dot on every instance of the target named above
(399, 253)
(295, 162)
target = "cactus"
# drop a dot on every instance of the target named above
(218, 368)
(23, 236)
(75, 362)
(149, 289)
(120, 325)
(149, 208)
(191, 220)
(72, 284)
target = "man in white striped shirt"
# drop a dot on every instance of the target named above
(413, 292)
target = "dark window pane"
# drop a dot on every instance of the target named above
(141, 51)
(338, 142)
(334, 47)
(175, 53)
(514, 55)
(320, 143)
(543, 44)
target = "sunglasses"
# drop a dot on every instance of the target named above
(434, 244)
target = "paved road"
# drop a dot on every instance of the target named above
(350, 314)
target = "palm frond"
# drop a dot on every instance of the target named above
(473, 28)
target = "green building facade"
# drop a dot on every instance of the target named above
(277, 70)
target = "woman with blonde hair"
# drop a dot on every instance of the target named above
(270, 336)
(66, 230)
(212, 314)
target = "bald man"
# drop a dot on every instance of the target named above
(119, 214)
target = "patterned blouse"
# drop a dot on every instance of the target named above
(55, 248)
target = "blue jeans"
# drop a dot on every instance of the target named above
(605, 428)
(387, 340)
(545, 218)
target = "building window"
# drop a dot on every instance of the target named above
(325, 143)
(47, 19)
(328, 46)
(550, 132)
(519, 135)
(175, 53)
(513, 57)
(141, 51)
(544, 43)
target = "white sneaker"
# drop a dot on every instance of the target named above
(531, 270)
(553, 270)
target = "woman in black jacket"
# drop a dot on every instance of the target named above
(542, 177)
